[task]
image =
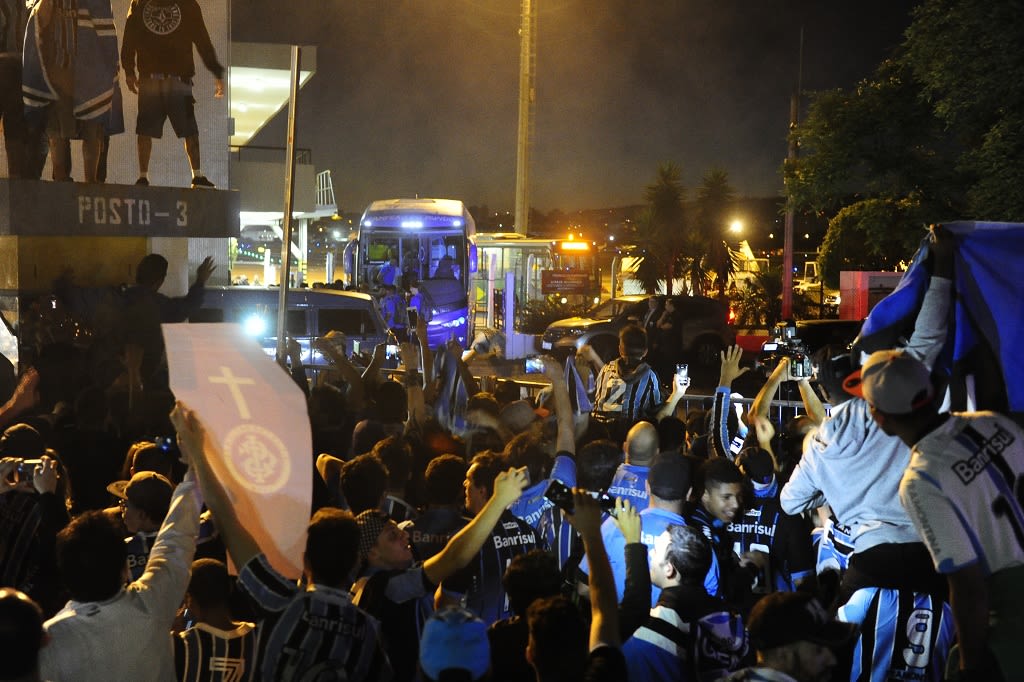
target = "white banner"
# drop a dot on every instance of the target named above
(256, 417)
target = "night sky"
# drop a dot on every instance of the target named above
(420, 96)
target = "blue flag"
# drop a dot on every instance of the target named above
(578, 398)
(988, 315)
(452, 398)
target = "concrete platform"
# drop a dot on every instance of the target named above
(100, 232)
(70, 209)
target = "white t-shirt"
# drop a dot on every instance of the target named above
(964, 490)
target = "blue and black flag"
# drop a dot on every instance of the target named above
(578, 398)
(988, 315)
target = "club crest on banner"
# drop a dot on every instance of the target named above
(257, 458)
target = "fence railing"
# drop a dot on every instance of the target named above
(779, 411)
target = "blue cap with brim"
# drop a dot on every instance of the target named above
(453, 639)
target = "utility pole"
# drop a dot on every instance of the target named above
(289, 193)
(527, 98)
(791, 155)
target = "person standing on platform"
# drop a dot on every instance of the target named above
(69, 80)
(158, 40)
(24, 145)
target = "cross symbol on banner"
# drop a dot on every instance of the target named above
(234, 383)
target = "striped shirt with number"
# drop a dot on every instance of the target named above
(317, 633)
(904, 635)
(204, 653)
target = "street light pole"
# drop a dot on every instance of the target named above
(787, 239)
(791, 155)
(527, 95)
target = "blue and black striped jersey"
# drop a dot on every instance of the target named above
(533, 507)
(432, 529)
(786, 539)
(631, 394)
(207, 654)
(904, 635)
(478, 586)
(316, 633)
(139, 545)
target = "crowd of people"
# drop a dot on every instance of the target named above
(609, 535)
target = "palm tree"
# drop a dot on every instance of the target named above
(650, 267)
(715, 198)
(662, 229)
(760, 301)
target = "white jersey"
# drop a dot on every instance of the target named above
(964, 490)
(126, 637)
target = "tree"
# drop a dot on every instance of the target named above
(878, 139)
(662, 230)
(760, 302)
(968, 56)
(878, 143)
(861, 237)
(650, 267)
(715, 199)
(935, 134)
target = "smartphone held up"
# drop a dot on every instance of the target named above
(561, 495)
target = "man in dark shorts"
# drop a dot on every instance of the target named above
(158, 38)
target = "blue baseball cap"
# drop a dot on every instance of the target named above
(453, 639)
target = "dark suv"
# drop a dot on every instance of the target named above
(705, 327)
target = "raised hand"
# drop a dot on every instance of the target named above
(44, 478)
(628, 520)
(204, 270)
(680, 384)
(731, 366)
(9, 479)
(509, 485)
(190, 432)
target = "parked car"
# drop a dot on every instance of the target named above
(816, 296)
(311, 313)
(706, 327)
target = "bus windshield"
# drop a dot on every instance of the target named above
(416, 257)
(424, 249)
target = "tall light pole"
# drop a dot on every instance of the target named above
(791, 155)
(527, 97)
